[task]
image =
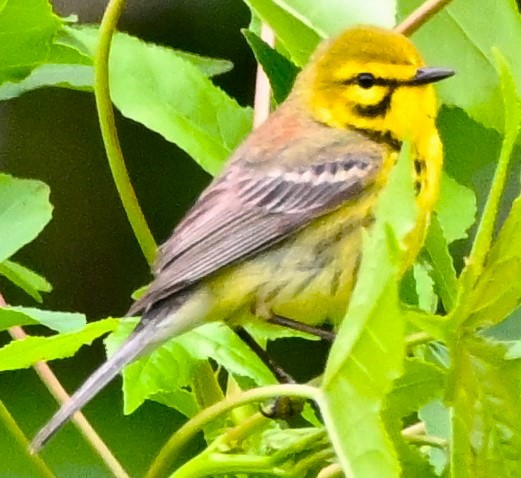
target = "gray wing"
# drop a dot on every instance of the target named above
(244, 212)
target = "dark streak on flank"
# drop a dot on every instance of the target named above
(335, 282)
(273, 293)
(304, 284)
(380, 137)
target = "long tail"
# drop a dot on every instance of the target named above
(146, 334)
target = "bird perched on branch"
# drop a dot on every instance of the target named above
(279, 230)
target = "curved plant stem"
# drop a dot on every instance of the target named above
(117, 164)
(420, 16)
(245, 428)
(11, 425)
(108, 131)
(188, 431)
(427, 440)
(417, 338)
(220, 458)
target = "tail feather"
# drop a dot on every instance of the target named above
(157, 325)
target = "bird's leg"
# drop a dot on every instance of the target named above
(300, 327)
(281, 375)
(262, 309)
(282, 407)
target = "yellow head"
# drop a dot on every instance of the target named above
(374, 80)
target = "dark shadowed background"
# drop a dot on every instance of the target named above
(88, 251)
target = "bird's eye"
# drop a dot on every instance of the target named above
(365, 80)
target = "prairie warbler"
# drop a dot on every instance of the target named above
(279, 230)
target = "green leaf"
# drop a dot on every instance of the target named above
(69, 65)
(75, 77)
(469, 31)
(24, 211)
(280, 71)
(59, 321)
(498, 290)
(293, 31)
(218, 342)
(456, 209)
(474, 271)
(24, 353)
(168, 370)
(426, 297)
(331, 17)
(368, 352)
(442, 271)
(486, 416)
(28, 280)
(83, 44)
(300, 25)
(27, 29)
(437, 423)
(163, 90)
(420, 383)
(64, 67)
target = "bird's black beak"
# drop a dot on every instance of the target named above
(431, 75)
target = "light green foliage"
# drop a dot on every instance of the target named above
(456, 209)
(151, 377)
(430, 358)
(280, 71)
(300, 26)
(28, 280)
(486, 418)
(24, 353)
(24, 211)
(470, 31)
(27, 30)
(368, 351)
(165, 91)
(59, 321)
(64, 67)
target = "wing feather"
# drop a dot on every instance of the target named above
(244, 212)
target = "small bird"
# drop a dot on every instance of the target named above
(279, 231)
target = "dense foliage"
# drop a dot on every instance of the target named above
(424, 378)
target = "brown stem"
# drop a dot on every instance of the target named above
(58, 392)
(415, 429)
(262, 84)
(420, 16)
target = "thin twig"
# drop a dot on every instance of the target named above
(416, 429)
(416, 434)
(420, 16)
(58, 392)
(262, 84)
(427, 440)
(332, 471)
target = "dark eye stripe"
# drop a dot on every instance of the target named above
(376, 81)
